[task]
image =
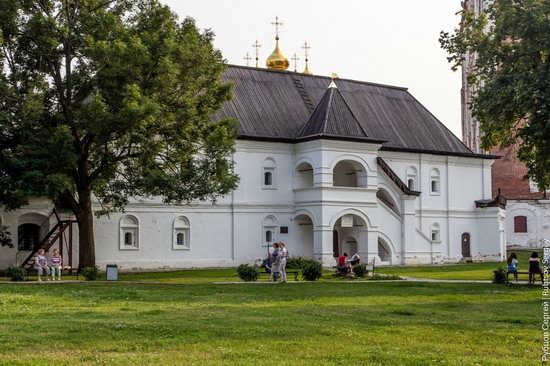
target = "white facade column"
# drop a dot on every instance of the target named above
(363, 244)
(322, 246)
(408, 232)
(322, 177)
(372, 250)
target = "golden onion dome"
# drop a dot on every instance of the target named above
(277, 60)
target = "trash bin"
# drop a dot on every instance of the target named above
(112, 272)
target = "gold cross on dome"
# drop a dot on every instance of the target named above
(257, 46)
(247, 58)
(276, 23)
(295, 59)
(306, 48)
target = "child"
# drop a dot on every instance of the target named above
(513, 265)
(41, 265)
(56, 262)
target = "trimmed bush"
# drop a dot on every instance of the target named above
(312, 271)
(90, 273)
(360, 270)
(299, 262)
(382, 277)
(499, 275)
(15, 273)
(248, 273)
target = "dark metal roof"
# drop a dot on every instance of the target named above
(276, 106)
(333, 117)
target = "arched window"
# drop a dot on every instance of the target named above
(349, 173)
(28, 236)
(182, 234)
(436, 235)
(269, 178)
(269, 230)
(269, 236)
(435, 182)
(129, 232)
(520, 224)
(411, 178)
(303, 176)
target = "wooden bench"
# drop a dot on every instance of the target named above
(540, 275)
(68, 271)
(295, 273)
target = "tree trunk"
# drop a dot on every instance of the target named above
(86, 243)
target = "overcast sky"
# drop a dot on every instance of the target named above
(384, 41)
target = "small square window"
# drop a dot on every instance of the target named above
(284, 229)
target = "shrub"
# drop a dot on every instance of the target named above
(299, 262)
(312, 271)
(15, 273)
(360, 270)
(248, 273)
(382, 277)
(90, 273)
(499, 275)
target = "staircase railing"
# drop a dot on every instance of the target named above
(48, 235)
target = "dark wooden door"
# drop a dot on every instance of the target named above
(466, 245)
(335, 249)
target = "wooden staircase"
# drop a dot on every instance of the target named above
(48, 236)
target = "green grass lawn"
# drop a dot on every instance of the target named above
(459, 271)
(326, 323)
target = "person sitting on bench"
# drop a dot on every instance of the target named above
(513, 265)
(534, 268)
(343, 265)
(355, 259)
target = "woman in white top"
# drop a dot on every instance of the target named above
(283, 255)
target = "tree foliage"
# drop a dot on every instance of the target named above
(110, 98)
(511, 40)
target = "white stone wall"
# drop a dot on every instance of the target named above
(304, 199)
(538, 223)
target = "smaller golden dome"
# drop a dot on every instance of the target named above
(277, 60)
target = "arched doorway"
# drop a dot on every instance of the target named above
(28, 236)
(466, 246)
(30, 228)
(349, 231)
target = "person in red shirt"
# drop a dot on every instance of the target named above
(343, 266)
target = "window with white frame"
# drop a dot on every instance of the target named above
(129, 233)
(436, 233)
(182, 234)
(269, 229)
(412, 174)
(435, 188)
(269, 178)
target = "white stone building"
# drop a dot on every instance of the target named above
(354, 167)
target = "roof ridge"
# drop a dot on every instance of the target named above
(403, 88)
(353, 114)
(327, 109)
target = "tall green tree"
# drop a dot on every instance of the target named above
(104, 100)
(512, 72)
